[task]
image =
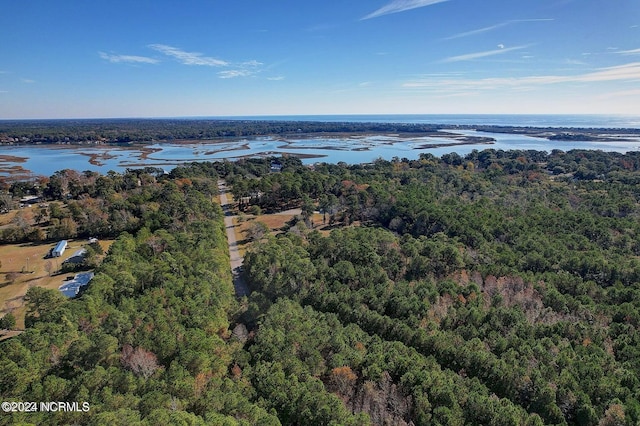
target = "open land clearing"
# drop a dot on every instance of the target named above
(276, 222)
(24, 266)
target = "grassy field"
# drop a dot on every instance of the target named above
(276, 222)
(24, 266)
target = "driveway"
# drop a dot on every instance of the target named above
(234, 254)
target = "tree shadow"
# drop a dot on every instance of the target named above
(331, 227)
(34, 278)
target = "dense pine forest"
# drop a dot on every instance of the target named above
(496, 288)
(135, 131)
(118, 131)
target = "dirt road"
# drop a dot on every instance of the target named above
(236, 259)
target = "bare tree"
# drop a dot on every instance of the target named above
(48, 267)
(142, 362)
(12, 276)
(257, 231)
(343, 380)
(6, 202)
(40, 215)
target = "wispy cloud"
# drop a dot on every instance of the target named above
(233, 70)
(127, 58)
(27, 80)
(632, 92)
(477, 55)
(252, 63)
(478, 31)
(244, 69)
(627, 72)
(188, 58)
(495, 27)
(400, 6)
(629, 52)
(276, 78)
(235, 73)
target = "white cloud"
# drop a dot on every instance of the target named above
(188, 58)
(235, 73)
(625, 73)
(629, 72)
(476, 55)
(632, 92)
(242, 69)
(277, 78)
(478, 31)
(400, 6)
(127, 59)
(495, 27)
(27, 80)
(629, 52)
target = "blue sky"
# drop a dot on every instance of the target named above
(160, 58)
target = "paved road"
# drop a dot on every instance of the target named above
(236, 259)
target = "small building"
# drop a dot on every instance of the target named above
(59, 249)
(275, 167)
(30, 199)
(72, 288)
(77, 257)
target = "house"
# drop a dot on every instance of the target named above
(30, 199)
(72, 288)
(59, 249)
(77, 257)
(275, 167)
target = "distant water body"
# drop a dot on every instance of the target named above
(520, 120)
(45, 160)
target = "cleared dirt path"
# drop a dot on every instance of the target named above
(236, 259)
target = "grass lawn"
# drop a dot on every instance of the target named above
(276, 222)
(27, 263)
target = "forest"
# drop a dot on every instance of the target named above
(125, 131)
(496, 288)
(137, 131)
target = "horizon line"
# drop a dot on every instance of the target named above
(239, 117)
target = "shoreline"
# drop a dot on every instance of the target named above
(93, 133)
(141, 154)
